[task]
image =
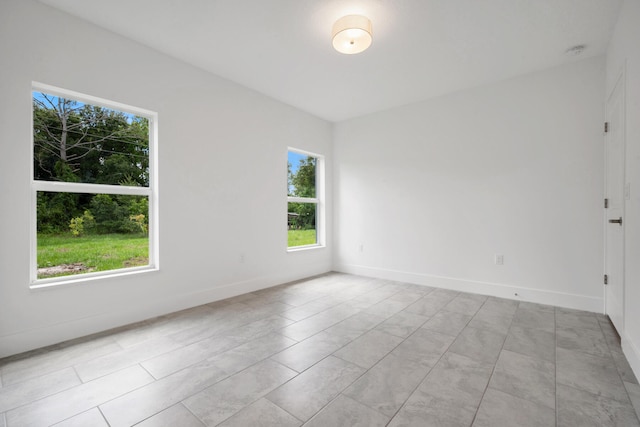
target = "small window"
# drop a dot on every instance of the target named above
(304, 196)
(93, 187)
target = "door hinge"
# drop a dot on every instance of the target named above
(606, 279)
(606, 203)
(606, 127)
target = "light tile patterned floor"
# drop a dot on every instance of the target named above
(335, 350)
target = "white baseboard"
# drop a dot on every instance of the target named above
(26, 340)
(58, 332)
(560, 299)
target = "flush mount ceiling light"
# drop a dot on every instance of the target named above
(351, 34)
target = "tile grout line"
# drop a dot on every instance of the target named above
(284, 410)
(191, 412)
(425, 375)
(124, 348)
(249, 309)
(615, 364)
(102, 415)
(150, 374)
(62, 366)
(48, 395)
(636, 411)
(330, 326)
(190, 395)
(261, 397)
(495, 363)
(618, 370)
(3, 416)
(81, 384)
(258, 336)
(430, 369)
(75, 371)
(346, 361)
(610, 359)
(232, 375)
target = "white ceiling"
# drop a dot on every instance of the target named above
(421, 48)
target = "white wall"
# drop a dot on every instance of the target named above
(222, 164)
(432, 191)
(624, 53)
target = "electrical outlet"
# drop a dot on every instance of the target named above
(361, 247)
(499, 259)
(241, 258)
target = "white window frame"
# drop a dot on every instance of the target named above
(73, 187)
(319, 200)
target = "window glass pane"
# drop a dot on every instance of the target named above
(79, 142)
(302, 175)
(83, 233)
(301, 221)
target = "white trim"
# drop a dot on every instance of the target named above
(304, 152)
(560, 299)
(293, 199)
(319, 200)
(305, 247)
(94, 100)
(321, 219)
(87, 277)
(74, 187)
(154, 204)
(623, 81)
(33, 201)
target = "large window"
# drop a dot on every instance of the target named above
(305, 172)
(93, 188)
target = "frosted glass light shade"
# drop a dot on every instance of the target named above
(352, 34)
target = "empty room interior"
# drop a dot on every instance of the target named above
(319, 213)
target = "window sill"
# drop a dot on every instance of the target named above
(305, 248)
(82, 279)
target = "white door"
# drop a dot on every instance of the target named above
(614, 213)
